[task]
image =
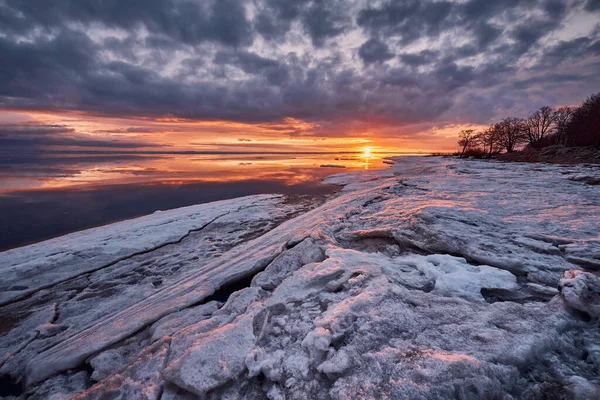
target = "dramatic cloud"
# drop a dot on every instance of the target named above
(32, 137)
(374, 50)
(391, 63)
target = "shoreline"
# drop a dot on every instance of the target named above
(61, 199)
(427, 266)
(314, 190)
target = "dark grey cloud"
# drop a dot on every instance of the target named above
(272, 70)
(485, 34)
(483, 9)
(553, 79)
(529, 33)
(323, 20)
(320, 19)
(186, 21)
(374, 50)
(592, 5)
(423, 57)
(30, 137)
(409, 19)
(582, 48)
(275, 18)
(266, 60)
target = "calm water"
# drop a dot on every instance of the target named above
(43, 196)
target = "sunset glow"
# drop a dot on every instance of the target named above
(299, 199)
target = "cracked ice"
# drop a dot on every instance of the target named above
(434, 278)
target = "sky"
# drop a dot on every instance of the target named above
(284, 75)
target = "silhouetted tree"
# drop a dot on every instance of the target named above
(562, 118)
(547, 126)
(490, 139)
(538, 125)
(584, 127)
(466, 139)
(512, 133)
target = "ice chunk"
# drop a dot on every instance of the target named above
(581, 291)
(214, 360)
(455, 277)
(140, 380)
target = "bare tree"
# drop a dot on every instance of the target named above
(466, 139)
(539, 124)
(562, 118)
(512, 133)
(490, 138)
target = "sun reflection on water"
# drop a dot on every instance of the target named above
(292, 168)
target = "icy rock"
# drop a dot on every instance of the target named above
(42, 264)
(414, 374)
(258, 361)
(61, 387)
(317, 343)
(21, 336)
(173, 392)
(50, 329)
(140, 380)
(336, 365)
(581, 291)
(239, 301)
(172, 323)
(213, 360)
(286, 263)
(106, 363)
(543, 290)
(455, 277)
(377, 293)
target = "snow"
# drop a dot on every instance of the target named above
(434, 278)
(453, 276)
(96, 248)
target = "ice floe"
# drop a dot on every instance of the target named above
(434, 278)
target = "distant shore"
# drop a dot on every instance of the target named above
(555, 155)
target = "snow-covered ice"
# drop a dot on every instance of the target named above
(67, 256)
(435, 278)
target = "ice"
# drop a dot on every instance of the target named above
(434, 278)
(455, 277)
(140, 380)
(215, 360)
(26, 270)
(581, 291)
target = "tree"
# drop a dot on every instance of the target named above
(562, 118)
(511, 133)
(466, 139)
(490, 139)
(539, 124)
(584, 127)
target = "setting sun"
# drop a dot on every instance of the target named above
(367, 152)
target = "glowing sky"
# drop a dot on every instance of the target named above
(284, 75)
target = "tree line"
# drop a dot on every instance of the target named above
(567, 126)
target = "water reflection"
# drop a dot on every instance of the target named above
(43, 196)
(61, 170)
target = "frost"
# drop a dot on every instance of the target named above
(435, 278)
(455, 277)
(581, 291)
(214, 360)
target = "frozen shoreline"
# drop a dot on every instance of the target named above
(435, 277)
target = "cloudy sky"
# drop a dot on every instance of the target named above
(275, 75)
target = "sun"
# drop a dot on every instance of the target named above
(367, 152)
